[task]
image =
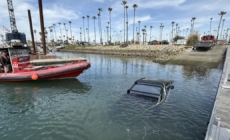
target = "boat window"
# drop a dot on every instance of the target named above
(147, 89)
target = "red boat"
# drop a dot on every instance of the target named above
(23, 71)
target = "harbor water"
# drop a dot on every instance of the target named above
(95, 106)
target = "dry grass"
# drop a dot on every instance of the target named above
(192, 39)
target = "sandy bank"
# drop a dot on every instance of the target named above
(181, 55)
(157, 53)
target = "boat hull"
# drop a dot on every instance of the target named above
(68, 70)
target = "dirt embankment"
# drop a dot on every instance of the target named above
(181, 55)
(157, 53)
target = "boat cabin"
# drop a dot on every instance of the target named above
(154, 88)
(19, 57)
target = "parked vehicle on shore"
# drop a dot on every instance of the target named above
(207, 42)
(154, 42)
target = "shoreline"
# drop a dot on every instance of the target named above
(165, 54)
(157, 53)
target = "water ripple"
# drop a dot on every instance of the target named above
(96, 106)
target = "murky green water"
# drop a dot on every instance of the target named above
(95, 106)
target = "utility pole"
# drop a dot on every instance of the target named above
(31, 31)
(210, 26)
(42, 26)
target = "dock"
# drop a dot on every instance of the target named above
(219, 124)
(55, 61)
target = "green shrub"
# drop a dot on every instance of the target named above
(123, 45)
(177, 37)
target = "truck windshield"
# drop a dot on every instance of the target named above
(147, 89)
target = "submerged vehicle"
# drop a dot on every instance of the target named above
(207, 42)
(153, 88)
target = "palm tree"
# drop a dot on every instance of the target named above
(176, 28)
(110, 9)
(221, 15)
(83, 26)
(65, 29)
(70, 29)
(127, 23)
(80, 34)
(186, 31)
(161, 32)
(60, 29)
(143, 30)
(124, 2)
(134, 7)
(193, 19)
(172, 27)
(151, 27)
(210, 25)
(139, 31)
(222, 28)
(88, 27)
(35, 31)
(55, 31)
(94, 18)
(99, 21)
(51, 33)
(99, 26)
(67, 35)
(107, 32)
(227, 34)
(108, 39)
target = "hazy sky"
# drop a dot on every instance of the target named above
(149, 12)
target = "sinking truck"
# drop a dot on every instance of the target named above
(207, 42)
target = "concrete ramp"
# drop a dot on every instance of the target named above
(212, 56)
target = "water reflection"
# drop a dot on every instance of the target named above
(97, 107)
(195, 71)
(130, 107)
(22, 96)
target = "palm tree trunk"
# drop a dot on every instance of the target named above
(110, 29)
(71, 31)
(99, 28)
(124, 23)
(222, 29)
(218, 28)
(150, 34)
(95, 33)
(101, 31)
(60, 30)
(88, 30)
(193, 26)
(139, 39)
(143, 39)
(133, 27)
(84, 29)
(127, 27)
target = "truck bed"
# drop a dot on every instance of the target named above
(206, 45)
